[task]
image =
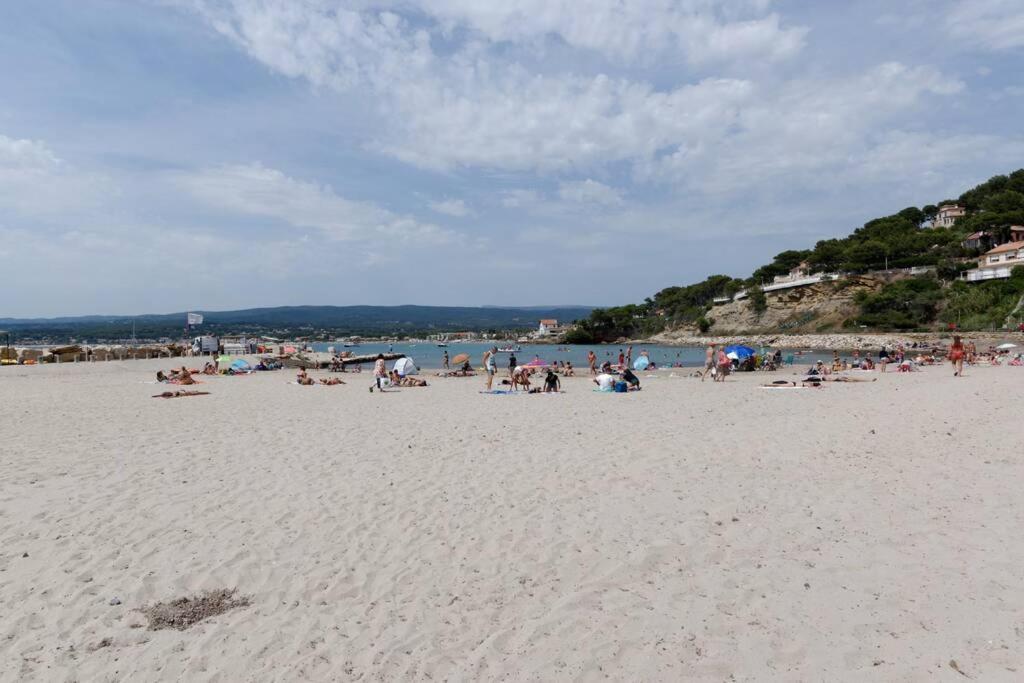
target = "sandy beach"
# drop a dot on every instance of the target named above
(690, 531)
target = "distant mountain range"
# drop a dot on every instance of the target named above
(339, 320)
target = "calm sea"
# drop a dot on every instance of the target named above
(429, 355)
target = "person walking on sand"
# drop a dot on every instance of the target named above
(724, 366)
(512, 363)
(956, 356)
(709, 361)
(444, 360)
(490, 365)
(380, 372)
(592, 361)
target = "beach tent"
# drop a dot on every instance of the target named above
(738, 351)
(405, 366)
(241, 365)
(641, 363)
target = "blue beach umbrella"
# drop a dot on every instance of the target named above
(738, 351)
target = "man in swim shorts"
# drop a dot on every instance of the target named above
(709, 361)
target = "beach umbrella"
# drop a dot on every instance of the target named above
(1007, 345)
(738, 351)
(641, 363)
(405, 366)
(460, 359)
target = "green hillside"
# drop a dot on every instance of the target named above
(902, 240)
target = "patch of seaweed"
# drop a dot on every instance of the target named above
(183, 613)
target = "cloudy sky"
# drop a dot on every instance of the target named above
(161, 155)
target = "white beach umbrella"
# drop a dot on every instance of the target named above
(1007, 345)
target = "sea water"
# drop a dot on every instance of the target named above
(430, 356)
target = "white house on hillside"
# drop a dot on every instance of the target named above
(997, 263)
(948, 215)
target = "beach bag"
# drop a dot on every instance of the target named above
(621, 387)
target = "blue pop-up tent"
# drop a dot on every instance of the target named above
(240, 365)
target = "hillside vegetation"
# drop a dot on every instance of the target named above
(883, 302)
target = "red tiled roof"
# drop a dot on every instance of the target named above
(1009, 246)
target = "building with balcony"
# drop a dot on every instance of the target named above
(997, 263)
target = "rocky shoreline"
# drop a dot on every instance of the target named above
(832, 341)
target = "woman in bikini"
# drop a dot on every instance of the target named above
(956, 356)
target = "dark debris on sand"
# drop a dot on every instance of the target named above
(182, 613)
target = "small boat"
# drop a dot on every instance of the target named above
(510, 349)
(442, 345)
(349, 345)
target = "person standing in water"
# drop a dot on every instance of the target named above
(444, 360)
(592, 361)
(490, 365)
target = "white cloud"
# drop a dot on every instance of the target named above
(259, 191)
(34, 181)
(789, 136)
(988, 24)
(472, 106)
(589, 192)
(518, 198)
(451, 207)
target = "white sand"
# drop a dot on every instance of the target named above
(698, 531)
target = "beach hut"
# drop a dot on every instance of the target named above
(406, 366)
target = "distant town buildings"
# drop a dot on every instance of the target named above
(948, 215)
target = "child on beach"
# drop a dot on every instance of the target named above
(380, 373)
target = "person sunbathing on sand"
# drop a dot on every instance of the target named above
(304, 379)
(181, 393)
(813, 383)
(330, 381)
